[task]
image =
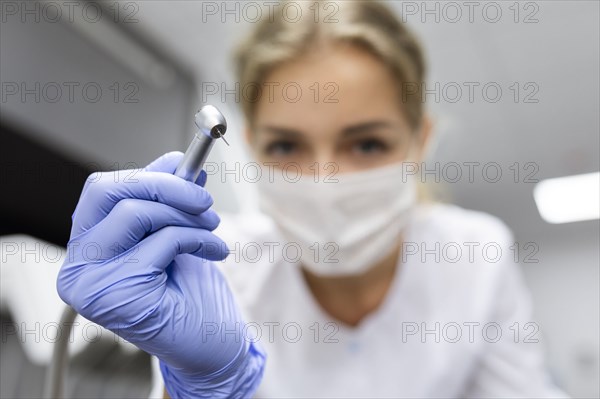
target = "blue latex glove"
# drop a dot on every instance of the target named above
(138, 263)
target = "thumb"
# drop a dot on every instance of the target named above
(165, 163)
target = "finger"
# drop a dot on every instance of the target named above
(132, 219)
(201, 178)
(102, 196)
(165, 163)
(159, 249)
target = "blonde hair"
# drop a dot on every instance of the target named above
(368, 24)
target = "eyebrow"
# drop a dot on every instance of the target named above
(351, 130)
(364, 127)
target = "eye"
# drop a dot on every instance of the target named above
(369, 146)
(281, 148)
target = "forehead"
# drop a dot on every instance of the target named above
(328, 89)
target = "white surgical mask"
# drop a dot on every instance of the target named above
(343, 224)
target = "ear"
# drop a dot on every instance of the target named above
(425, 134)
(247, 134)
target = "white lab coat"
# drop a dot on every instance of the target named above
(426, 340)
(435, 335)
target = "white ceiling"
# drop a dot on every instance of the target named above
(559, 54)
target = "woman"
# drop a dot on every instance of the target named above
(344, 285)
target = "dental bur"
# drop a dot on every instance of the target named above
(211, 126)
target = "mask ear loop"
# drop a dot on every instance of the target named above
(413, 161)
(411, 149)
(433, 141)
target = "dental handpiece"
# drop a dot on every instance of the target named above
(211, 126)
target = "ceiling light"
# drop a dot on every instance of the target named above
(569, 199)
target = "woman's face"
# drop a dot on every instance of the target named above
(341, 106)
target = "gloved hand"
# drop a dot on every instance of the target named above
(138, 263)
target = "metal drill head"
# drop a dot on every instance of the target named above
(211, 122)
